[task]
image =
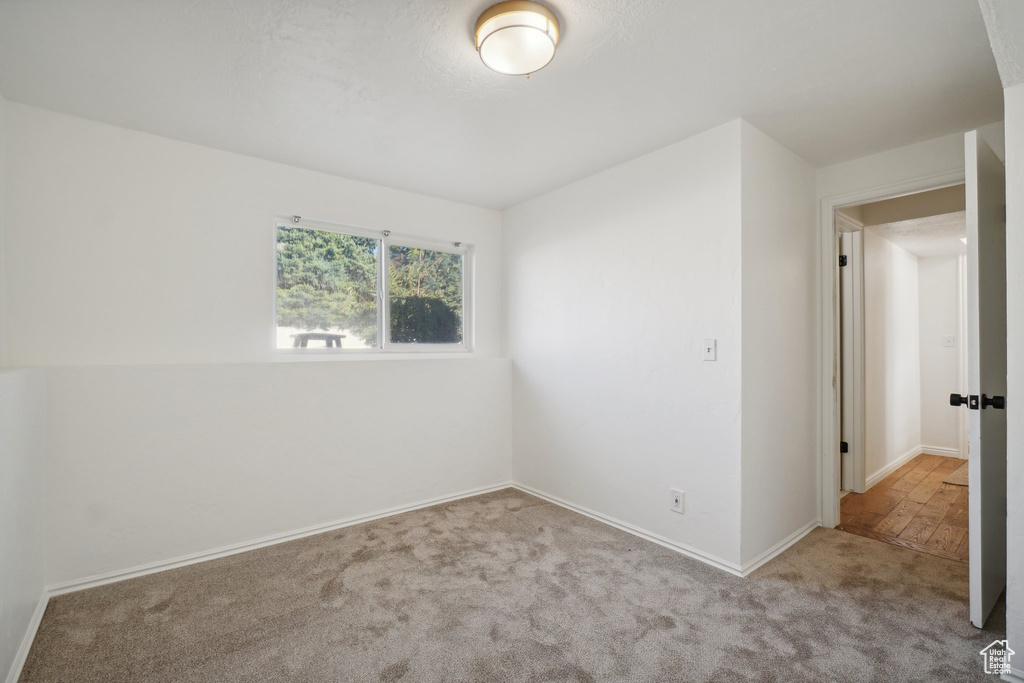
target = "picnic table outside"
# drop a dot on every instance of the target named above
(303, 339)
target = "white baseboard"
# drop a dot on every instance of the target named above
(939, 450)
(680, 548)
(779, 547)
(912, 453)
(1016, 675)
(26, 643)
(892, 467)
(234, 549)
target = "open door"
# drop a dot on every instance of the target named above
(851, 371)
(986, 374)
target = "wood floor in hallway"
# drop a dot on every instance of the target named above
(913, 508)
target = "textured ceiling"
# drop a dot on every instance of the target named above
(392, 91)
(1005, 22)
(931, 236)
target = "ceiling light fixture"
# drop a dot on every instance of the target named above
(517, 38)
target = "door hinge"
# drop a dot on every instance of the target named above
(844, 447)
(842, 260)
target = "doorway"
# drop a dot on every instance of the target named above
(984, 182)
(903, 477)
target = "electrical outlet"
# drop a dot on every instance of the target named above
(676, 504)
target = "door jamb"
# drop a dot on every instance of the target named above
(855, 436)
(828, 348)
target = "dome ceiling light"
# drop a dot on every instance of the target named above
(517, 38)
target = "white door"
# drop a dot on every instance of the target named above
(986, 374)
(851, 353)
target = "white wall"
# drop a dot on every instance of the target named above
(939, 317)
(921, 160)
(149, 463)
(611, 284)
(3, 232)
(22, 441)
(779, 343)
(140, 273)
(892, 372)
(1014, 98)
(138, 249)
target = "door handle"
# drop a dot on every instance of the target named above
(969, 401)
(997, 402)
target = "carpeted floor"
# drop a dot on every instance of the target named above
(507, 587)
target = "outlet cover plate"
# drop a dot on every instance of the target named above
(677, 501)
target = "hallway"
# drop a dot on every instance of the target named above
(914, 508)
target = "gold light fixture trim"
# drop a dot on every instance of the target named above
(517, 38)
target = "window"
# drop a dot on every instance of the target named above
(354, 290)
(424, 296)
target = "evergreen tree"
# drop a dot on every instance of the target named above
(325, 280)
(426, 296)
(329, 280)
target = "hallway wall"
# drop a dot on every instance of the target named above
(892, 382)
(938, 321)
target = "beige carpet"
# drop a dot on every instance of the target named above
(506, 587)
(958, 476)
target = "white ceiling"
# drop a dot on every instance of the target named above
(930, 236)
(392, 91)
(1005, 22)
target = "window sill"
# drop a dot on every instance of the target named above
(319, 356)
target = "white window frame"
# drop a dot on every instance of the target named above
(385, 238)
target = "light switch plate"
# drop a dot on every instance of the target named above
(949, 341)
(710, 349)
